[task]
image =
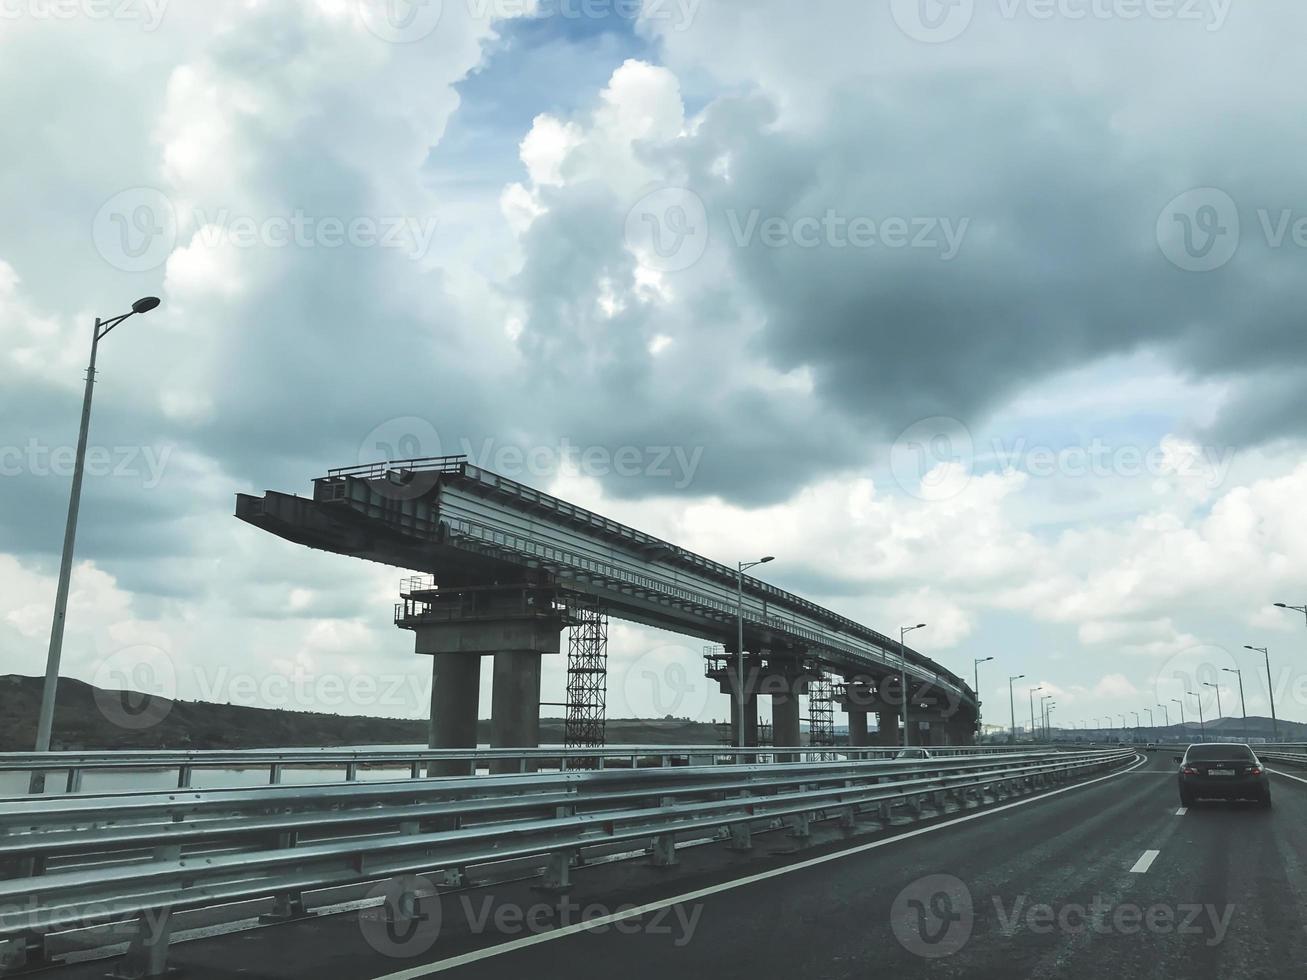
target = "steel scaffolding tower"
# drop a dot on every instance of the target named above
(821, 711)
(587, 676)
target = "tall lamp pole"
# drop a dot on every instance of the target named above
(1166, 715)
(1270, 687)
(1032, 710)
(45, 722)
(1243, 707)
(1152, 723)
(1043, 715)
(1012, 706)
(741, 568)
(1184, 727)
(975, 667)
(903, 677)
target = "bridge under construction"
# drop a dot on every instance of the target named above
(503, 568)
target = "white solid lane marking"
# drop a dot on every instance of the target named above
(1181, 812)
(1287, 775)
(1145, 862)
(481, 954)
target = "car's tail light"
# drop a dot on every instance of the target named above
(1255, 771)
(1190, 771)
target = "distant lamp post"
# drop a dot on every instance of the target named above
(1166, 715)
(1202, 725)
(1184, 728)
(740, 569)
(1270, 687)
(1012, 706)
(903, 677)
(1152, 723)
(1032, 710)
(45, 722)
(1220, 714)
(1243, 707)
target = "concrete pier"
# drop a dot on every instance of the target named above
(456, 627)
(515, 703)
(455, 692)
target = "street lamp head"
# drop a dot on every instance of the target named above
(1281, 605)
(985, 660)
(145, 304)
(765, 559)
(919, 626)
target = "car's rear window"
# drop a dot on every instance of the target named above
(1218, 753)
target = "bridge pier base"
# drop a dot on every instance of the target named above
(457, 626)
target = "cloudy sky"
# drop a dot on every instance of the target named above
(984, 314)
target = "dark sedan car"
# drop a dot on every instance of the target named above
(1222, 770)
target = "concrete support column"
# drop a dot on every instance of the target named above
(750, 718)
(455, 692)
(858, 728)
(887, 716)
(785, 724)
(515, 704)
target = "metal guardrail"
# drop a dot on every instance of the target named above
(349, 763)
(68, 862)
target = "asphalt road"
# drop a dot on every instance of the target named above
(1107, 879)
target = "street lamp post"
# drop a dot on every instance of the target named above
(1012, 705)
(1166, 716)
(1044, 701)
(1270, 688)
(1220, 714)
(45, 722)
(1184, 727)
(975, 667)
(741, 568)
(1243, 707)
(1152, 723)
(1032, 710)
(1048, 721)
(1202, 725)
(903, 677)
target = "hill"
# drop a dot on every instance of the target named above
(87, 717)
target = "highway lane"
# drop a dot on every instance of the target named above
(1042, 887)
(1040, 890)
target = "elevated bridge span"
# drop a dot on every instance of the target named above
(508, 561)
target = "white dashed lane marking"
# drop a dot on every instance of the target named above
(1145, 862)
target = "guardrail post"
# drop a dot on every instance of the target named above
(664, 851)
(802, 826)
(741, 836)
(558, 871)
(74, 781)
(184, 776)
(351, 772)
(274, 774)
(147, 953)
(286, 905)
(848, 818)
